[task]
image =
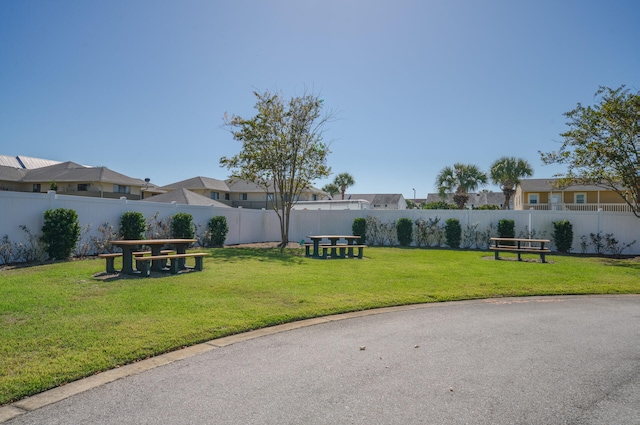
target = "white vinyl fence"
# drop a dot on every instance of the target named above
(245, 225)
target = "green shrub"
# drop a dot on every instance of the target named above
(359, 228)
(453, 232)
(404, 230)
(439, 205)
(182, 226)
(563, 235)
(218, 230)
(132, 225)
(506, 228)
(60, 232)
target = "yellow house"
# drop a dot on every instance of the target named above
(543, 194)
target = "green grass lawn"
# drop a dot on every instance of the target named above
(58, 323)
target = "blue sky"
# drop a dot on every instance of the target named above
(141, 86)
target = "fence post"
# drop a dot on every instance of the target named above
(52, 199)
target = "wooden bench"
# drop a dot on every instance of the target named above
(143, 263)
(520, 246)
(110, 261)
(344, 249)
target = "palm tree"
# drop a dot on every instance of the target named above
(343, 181)
(507, 172)
(331, 189)
(460, 178)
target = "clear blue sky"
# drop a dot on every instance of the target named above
(141, 86)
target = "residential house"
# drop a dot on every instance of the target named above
(247, 194)
(214, 189)
(544, 194)
(381, 201)
(69, 178)
(476, 200)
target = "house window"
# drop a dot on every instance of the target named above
(226, 197)
(215, 195)
(36, 187)
(243, 196)
(580, 198)
(83, 187)
(314, 197)
(121, 189)
(533, 198)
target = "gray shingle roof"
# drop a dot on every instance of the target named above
(199, 183)
(72, 172)
(186, 197)
(12, 174)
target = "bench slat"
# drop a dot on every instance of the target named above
(144, 263)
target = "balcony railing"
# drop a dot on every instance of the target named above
(579, 207)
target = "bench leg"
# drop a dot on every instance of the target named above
(519, 256)
(307, 251)
(496, 254)
(342, 252)
(360, 252)
(198, 266)
(174, 266)
(144, 267)
(324, 253)
(110, 265)
(542, 257)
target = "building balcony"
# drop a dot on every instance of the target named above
(558, 206)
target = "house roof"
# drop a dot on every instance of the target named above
(245, 186)
(72, 172)
(13, 174)
(548, 185)
(25, 162)
(185, 197)
(199, 183)
(375, 198)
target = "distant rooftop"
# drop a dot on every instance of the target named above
(26, 162)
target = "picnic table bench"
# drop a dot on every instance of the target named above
(143, 263)
(520, 246)
(333, 249)
(157, 261)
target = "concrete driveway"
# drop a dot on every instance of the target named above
(538, 360)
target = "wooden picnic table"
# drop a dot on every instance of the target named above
(520, 246)
(351, 242)
(130, 246)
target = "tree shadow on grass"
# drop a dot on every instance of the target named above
(293, 256)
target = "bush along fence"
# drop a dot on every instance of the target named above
(602, 232)
(62, 236)
(434, 233)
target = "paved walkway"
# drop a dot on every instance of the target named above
(538, 360)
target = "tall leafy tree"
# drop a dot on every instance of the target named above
(507, 173)
(344, 181)
(602, 145)
(282, 149)
(331, 189)
(460, 180)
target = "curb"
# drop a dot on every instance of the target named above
(57, 394)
